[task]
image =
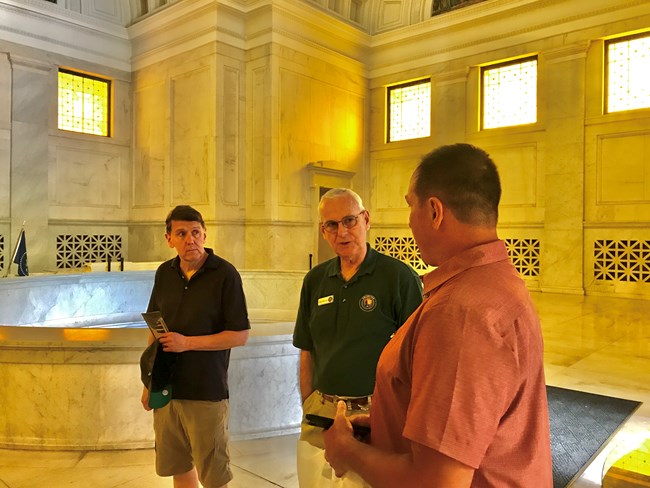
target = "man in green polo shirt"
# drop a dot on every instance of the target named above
(350, 306)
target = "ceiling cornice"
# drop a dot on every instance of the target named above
(43, 26)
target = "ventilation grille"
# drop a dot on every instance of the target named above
(524, 254)
(402, 248)
(622, 261)
(73, 251)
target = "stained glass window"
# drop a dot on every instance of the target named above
(509, 94)
(409, 111)
(628, 73)
(84, 103)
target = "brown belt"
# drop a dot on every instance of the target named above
(356, 403)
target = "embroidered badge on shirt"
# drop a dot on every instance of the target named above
(367, 303)
(325, 300)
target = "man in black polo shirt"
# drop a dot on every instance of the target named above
(350, 306)
(201, 299)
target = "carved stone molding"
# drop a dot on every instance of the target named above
(566, 53)
(30, 64)
(327, 169)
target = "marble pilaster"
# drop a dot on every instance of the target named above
(29, 157)
(5, 135)
(562, 263)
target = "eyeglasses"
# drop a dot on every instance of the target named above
(349, 221)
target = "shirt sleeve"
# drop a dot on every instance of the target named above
(301, 334)
(233, 302)
(153, 304)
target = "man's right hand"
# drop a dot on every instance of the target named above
(145, 399)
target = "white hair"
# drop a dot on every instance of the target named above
(338, 193)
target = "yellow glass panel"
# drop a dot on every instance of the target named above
(628, 72)
(410, 111)
(83, 104)
(510, 94)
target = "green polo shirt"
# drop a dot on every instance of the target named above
(345, 325)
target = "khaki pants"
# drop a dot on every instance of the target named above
(313, 469)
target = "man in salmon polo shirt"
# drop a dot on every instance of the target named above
(460, 397)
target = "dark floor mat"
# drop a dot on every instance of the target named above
(581, 424)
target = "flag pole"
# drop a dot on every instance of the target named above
(13, 256)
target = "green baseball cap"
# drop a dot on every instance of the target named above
(156, 368)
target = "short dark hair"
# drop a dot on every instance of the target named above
(464, 178)
(183, 212)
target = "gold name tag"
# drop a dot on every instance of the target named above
(325, 300)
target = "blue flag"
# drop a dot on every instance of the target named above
(20, 256)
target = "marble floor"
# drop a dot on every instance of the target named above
(594, 344)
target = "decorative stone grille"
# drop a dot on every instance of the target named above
(525, 255)
(2, 252)
(402, 248)
(73, 251)
(622, 261)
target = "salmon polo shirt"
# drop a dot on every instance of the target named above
(465, 375)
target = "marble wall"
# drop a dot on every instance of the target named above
(58, 182)
(572, 178)
(234, 130)
(246, 112)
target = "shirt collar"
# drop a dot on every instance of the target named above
(367, 267)
(476, 256)
(212, 261)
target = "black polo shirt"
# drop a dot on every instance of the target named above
(210, 302)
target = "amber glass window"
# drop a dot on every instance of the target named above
(409, 111)
(628, 73)
(84, 103)
(509, 94)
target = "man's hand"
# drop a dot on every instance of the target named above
(174, 342)
(145, 399)
(337, 438)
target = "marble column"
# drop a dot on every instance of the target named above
(31, 93)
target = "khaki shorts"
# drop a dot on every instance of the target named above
(313, 470)
(192, 432)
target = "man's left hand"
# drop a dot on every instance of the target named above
(336, 438)
(174, 342)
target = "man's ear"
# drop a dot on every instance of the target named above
(436, 210)
(168, 238)
(367, 217)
